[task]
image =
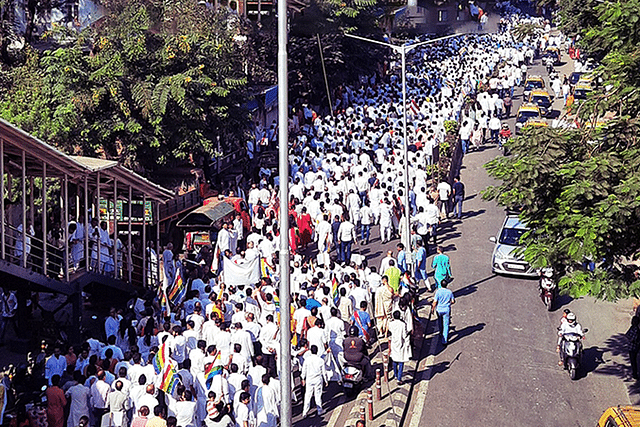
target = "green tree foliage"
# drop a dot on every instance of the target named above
(155, 83)
(345, 60)
(579, 190)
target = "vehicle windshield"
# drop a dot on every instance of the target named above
(534, 84)
(574, 77)
(523, 116)
(511, 236)
(541, 100)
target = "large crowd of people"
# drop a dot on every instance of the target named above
(204, 351)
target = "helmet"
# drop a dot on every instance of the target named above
(505, 126)
(353, 331)
(571, 317)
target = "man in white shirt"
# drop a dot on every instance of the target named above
(55, 365)
(444, 190)
(346, 237)
(314, 376)
(99, 395)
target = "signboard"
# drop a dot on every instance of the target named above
(122, 206)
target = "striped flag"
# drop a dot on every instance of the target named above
(170, 379)
(211, 371)
(334, 291)
(265, 269)
(179, 289)
(160, 359)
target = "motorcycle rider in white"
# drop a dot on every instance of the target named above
(571, 326)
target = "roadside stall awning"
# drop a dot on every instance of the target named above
(206, 216)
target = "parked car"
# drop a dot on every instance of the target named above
(506, 258)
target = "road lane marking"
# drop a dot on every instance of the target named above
(421, 396)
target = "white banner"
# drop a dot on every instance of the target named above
(246, 273)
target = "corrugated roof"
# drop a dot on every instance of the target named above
(37, 153)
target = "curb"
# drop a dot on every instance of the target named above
(398, 396)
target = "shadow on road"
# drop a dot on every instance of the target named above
(465, 332)
(561, 301)
(436, 369)
(471, 214)
(472, 287)
(591, 359)
(617, 345)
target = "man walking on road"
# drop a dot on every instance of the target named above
(458, 197)
(314, 376)
(442, 301)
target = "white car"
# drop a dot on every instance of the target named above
(504, 259)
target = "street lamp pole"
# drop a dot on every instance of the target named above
(283, 147)
(403, 49)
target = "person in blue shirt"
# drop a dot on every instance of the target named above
(441, 265)
(361, 319)
(402, 258)
(442, 301)
(421, 263)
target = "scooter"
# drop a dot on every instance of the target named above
(352, 379)
(571, 348)
(547, 287)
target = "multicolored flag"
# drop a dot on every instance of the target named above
(170, 379)
(265, 268)
(160, 359)
(211, 371)
(178, 290)
(334, 291)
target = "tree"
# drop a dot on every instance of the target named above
(579, 189)
(163, 81)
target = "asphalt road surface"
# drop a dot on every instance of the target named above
(501, 367)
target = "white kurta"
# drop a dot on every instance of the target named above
(400, 346)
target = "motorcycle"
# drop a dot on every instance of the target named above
(352, 378)
(571, 348)
(547, 287)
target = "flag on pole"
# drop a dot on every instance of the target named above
(265, 268)
(334, 291)
(160, 359)
(211, 371)
(170, 379)
(179, 289)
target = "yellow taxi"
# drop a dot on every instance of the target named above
(542, 99)
(531, 83)
(620, 416)
(554, 53)
(526, 112)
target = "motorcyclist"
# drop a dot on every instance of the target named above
(546, 279)
(505, 134)
(355, 352)
(570, 327)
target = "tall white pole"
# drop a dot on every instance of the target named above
(283, 147)
(406, 234)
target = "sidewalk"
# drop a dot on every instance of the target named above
(390, 411)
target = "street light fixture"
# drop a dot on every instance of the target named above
(403, 49)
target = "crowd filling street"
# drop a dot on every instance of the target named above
(203, 347)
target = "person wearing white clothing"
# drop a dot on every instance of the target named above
(55, 365)
(314, 376)
(266, 404)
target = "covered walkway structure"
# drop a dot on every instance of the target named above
(71, 223)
